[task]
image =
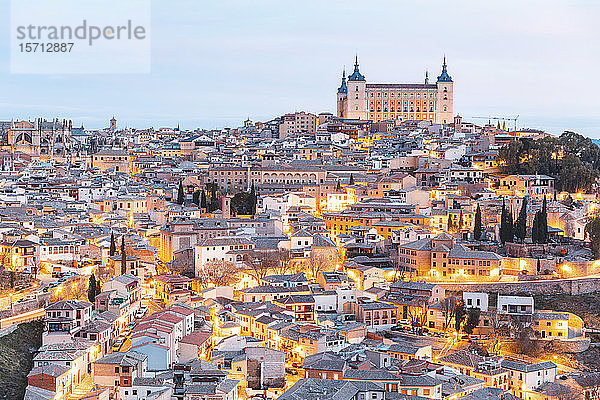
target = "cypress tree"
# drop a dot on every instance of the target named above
(510, 230)
(180, 194)
(98, 287)
(521, 225)
(544, 222)
(503, 226)
(91, 291)
(450, 223)
(253, 199)
(535, 228)
(196, 197)
(123, 256)
(203, 199)
(478, 227)
(460, 221)
(113, 245)
(338, 187)
(351, 179)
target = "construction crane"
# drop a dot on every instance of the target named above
(489, 118)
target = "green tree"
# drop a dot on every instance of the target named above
(572, 159)
(253, 199)
(478, 226)
(123, 256)
(98, 287)
(460, 221)
(544, 222)
(351, 179)
(242, 203)
(214, 201)
(510, 231)
(592, 229)
(203, 200)
(473, 315)
(196, 197)
(91, 291)
(450, 223)
(338, 186)
(113, 245)
(459, 316)
(509, 157)
(521, 224)
(503, 223)
(535, 228)
(180, 194)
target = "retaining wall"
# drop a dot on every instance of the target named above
(555, 286)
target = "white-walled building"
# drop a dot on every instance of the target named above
(476, 300)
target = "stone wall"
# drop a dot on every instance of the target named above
(571, 346)
(556, 286)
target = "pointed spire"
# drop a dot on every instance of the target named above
(426, 77)
(343, 87)
(356, 75)
(444, 76)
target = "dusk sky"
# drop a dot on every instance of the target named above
(216, 63)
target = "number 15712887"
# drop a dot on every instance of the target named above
(49, 47)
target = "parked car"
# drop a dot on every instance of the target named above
(117, 345)
(141, 312)
(291, 371)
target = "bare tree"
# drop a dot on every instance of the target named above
(524, 344)
(282, 264)
(264, 263)
(74, 288)
(417, 313)
(219, 273)
(499, 330)
(6, 265)
(399, 272)
(448, 311)
(315, 265)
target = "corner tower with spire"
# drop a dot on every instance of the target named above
(357, 99)
(354, 105)
(342, 95)
(445, 97)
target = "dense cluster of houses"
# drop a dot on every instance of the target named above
(302, 257)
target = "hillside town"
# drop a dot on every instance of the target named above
(392, 251)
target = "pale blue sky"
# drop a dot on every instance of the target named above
(217, 63)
